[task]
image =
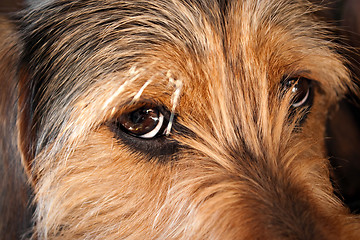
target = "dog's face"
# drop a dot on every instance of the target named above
(179, 120)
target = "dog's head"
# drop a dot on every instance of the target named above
(179, 120)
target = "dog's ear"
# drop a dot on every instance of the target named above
(15, 217)
(15, 92)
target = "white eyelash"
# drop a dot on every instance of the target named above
(138, 94)
(174, 99)
(132, 72)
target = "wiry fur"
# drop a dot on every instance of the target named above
(243, 169)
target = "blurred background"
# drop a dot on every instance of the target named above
(10, 5)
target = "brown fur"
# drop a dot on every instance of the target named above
(242, 167)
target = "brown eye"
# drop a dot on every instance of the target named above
(145, 122)
(301, 89)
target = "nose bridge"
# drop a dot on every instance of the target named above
(238, 102)
(246, 118)
(244, 101)
(274, 200)
(280, 200)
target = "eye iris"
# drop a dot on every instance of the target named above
(140, 121)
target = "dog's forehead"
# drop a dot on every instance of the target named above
(122, 50)
(227, 59)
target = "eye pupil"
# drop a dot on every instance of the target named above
(136, 117)
(144, 116)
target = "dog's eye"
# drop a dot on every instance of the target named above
(142, 129)
(301, 90)
(145, 122)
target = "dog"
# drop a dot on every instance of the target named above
(177, 119)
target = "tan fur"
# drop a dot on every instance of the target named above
(244, 169)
